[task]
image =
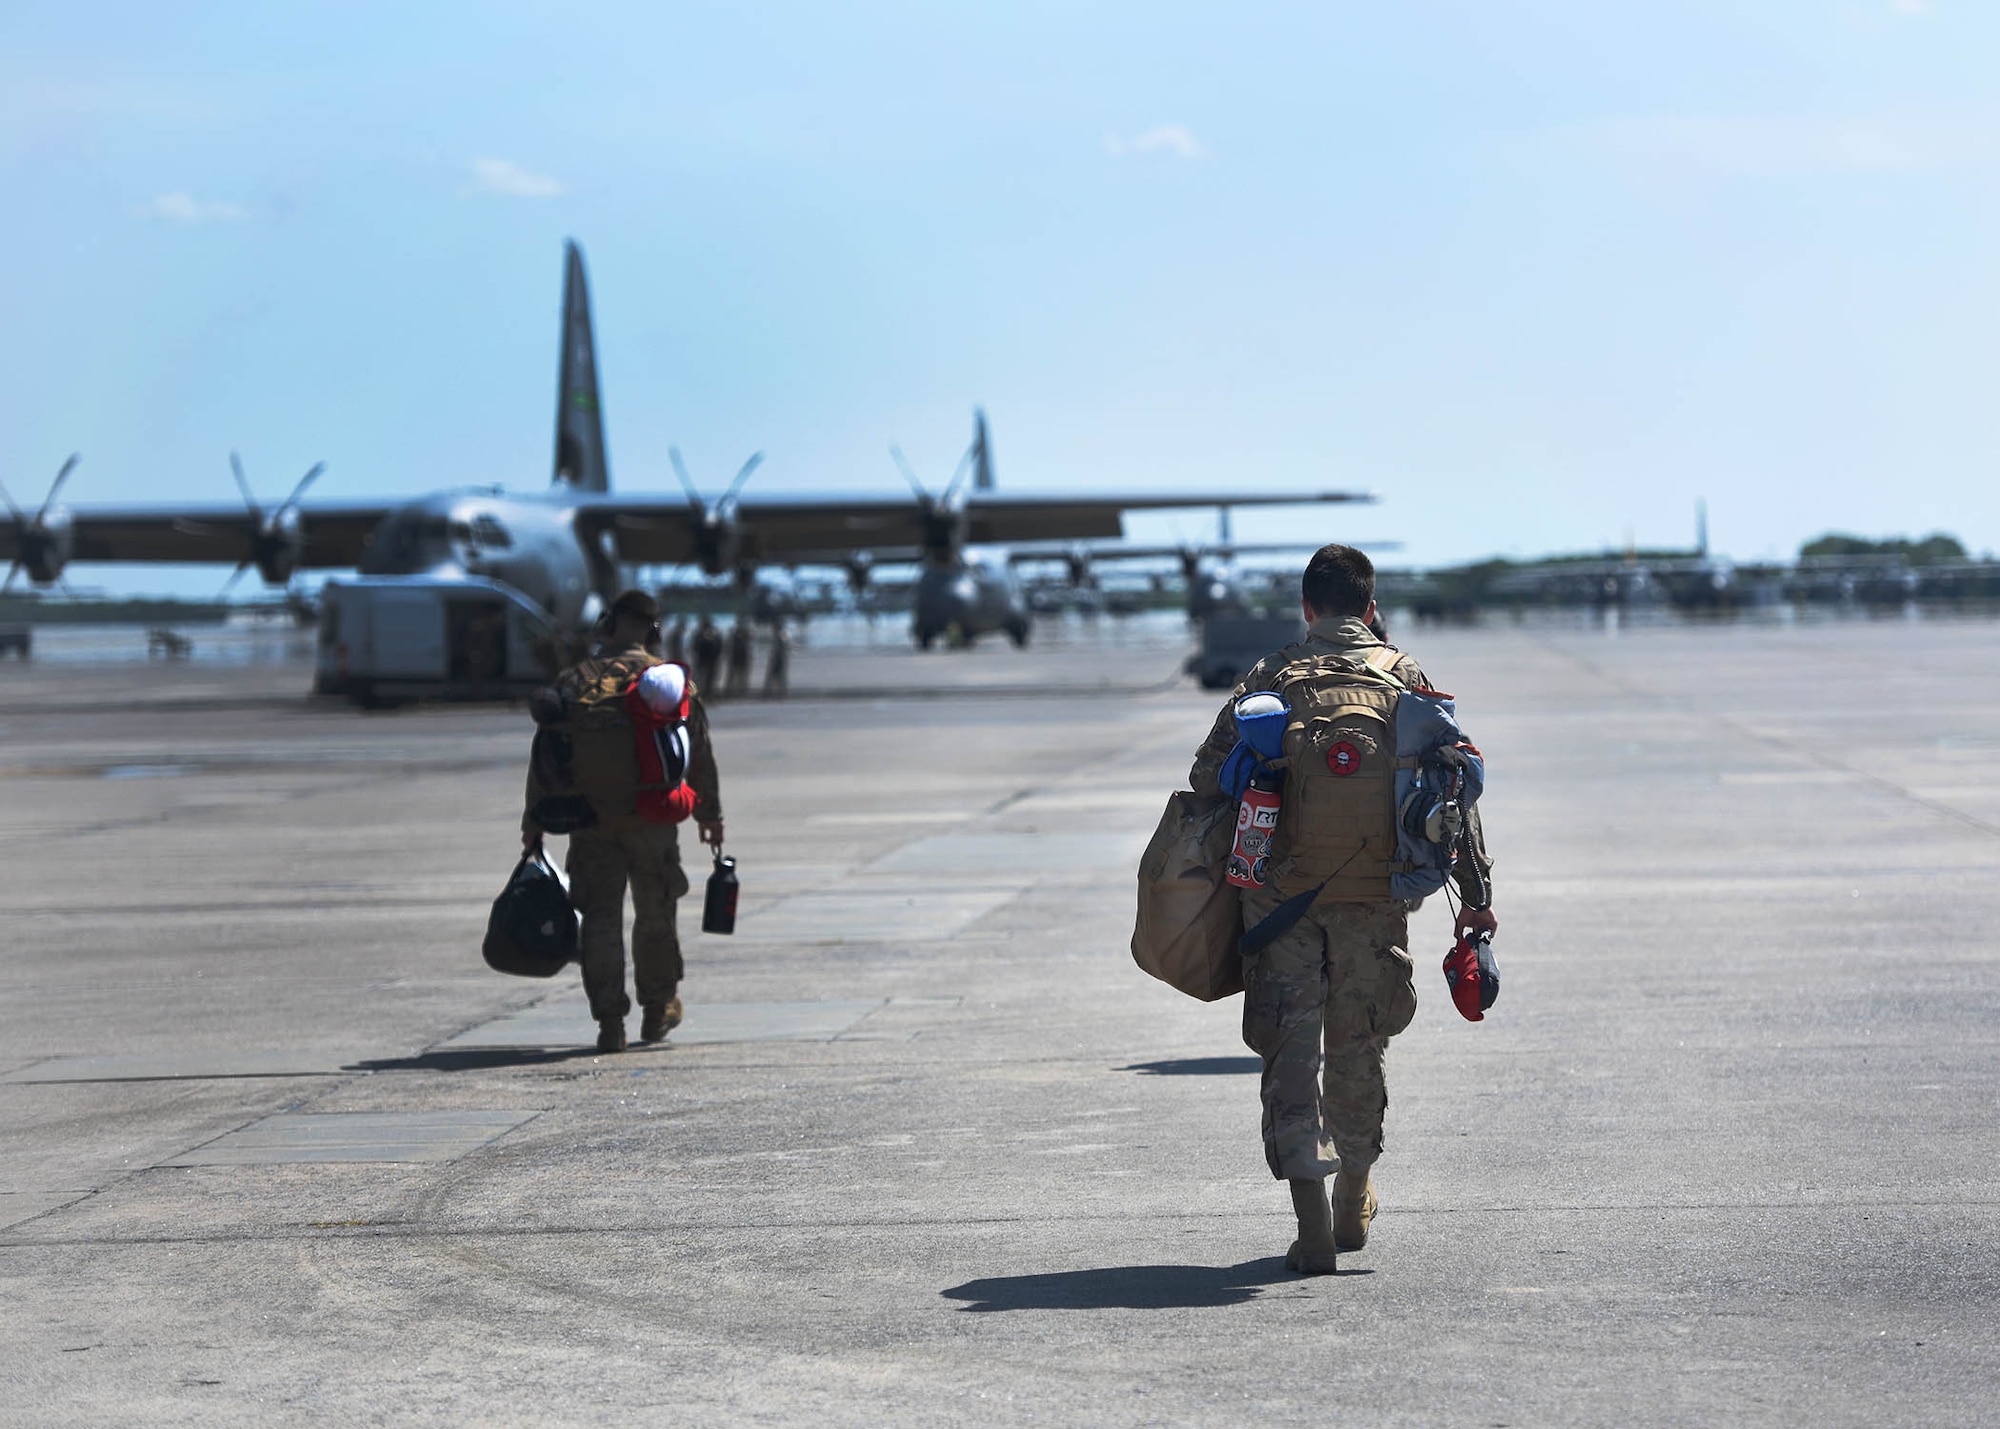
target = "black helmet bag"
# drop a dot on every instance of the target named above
(532, 929)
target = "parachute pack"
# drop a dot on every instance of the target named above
(611, 745)
(1378, 785)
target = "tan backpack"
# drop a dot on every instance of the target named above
(1337, 825)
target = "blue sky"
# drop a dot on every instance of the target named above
(1541, 274)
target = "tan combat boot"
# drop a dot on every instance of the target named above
(1354, 1207)
(659, 1018)
(611, 1034)
(1312, 1252)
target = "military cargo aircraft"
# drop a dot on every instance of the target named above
(475, 591)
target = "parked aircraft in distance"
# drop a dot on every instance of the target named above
(475, 591)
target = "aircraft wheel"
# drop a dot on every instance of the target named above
(1018, 633)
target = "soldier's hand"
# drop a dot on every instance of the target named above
(711, 834)
(531, 839)
(1477, 920)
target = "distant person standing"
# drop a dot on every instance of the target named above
(677, 638)
(742, 651)
(1329, 981)
(707, 645)
(778, 673)
(586, 782)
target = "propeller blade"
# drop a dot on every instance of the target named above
(729, 496)
(234, 576)
(896, 453)
(243, 485)
(55, 487)
(20, 516)
(951, 488)
(687, 482)
(300, 490)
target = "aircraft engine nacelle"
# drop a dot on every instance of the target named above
(44, 547)
(718, 547)
(281, 544)
(944, 531)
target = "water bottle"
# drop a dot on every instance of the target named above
(718, 905)
(1256, 822)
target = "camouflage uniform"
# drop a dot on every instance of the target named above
(1322, 1000)
(627, 849)
(1338, 978)
(601, 862)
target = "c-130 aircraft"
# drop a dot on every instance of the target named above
(478, 592)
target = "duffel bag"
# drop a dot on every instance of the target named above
(531, 931)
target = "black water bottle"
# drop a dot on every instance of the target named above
(718, 906)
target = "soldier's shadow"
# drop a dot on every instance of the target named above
(1128, 1287)
(1197, 1067)
(472, 1059)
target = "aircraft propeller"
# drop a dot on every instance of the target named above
(717, 536)
(41, 541)
(943, 515)
(276, 539)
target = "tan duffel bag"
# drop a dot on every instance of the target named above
(1190, 918)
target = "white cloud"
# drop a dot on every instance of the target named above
(184, 207)
(1174, 140)
(510, 180)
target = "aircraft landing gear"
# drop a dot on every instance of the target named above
(1018, 633)
(924, 639)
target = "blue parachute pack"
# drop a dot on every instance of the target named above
(1435, 797)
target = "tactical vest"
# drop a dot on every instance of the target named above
(1338, 821)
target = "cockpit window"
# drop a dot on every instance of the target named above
(489, 532)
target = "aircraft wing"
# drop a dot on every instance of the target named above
(334, 535)
(1030, 518)
(1022, 555)
(662, 531)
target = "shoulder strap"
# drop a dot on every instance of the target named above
(1351, 663)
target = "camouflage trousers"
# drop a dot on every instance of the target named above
(601, 864)
(1320, 1005)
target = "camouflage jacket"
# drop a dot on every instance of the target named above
(615, 670)
(1333, 634)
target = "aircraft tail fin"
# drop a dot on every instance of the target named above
(580, 457)
(982, 452)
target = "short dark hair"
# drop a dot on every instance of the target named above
(637, 607)
(1339, 580)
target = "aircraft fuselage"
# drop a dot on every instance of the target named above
(962, 600)
(529, 542)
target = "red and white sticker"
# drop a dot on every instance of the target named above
(1344, 758)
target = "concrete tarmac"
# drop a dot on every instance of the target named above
(929, 1149)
